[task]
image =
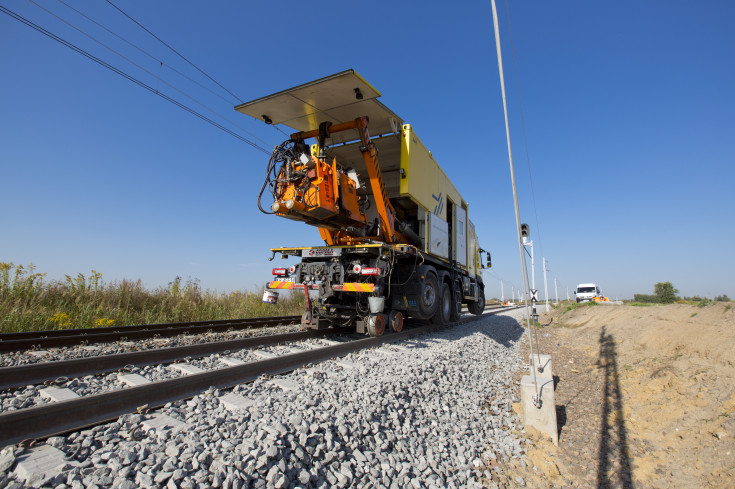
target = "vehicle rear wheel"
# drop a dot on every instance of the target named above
(456, 304)
(444, 311)
(429, 297)
(376, 324)
(396, 321)
(478, 306)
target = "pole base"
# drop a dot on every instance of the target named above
(540, 413)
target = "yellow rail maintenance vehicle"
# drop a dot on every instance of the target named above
(398, 241)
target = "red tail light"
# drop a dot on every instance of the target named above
(279, 271)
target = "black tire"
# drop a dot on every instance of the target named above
(456, 304)
(429, 297)
(477, 307)
(443, 313)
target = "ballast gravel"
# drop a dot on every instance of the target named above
(425, 413)
(13, 359)
(30, 396)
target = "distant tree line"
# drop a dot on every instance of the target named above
(665, 293)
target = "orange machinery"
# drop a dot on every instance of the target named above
(307, 188)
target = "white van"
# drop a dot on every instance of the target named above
(587, 292)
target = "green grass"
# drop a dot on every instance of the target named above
(30, 303)
(641, 304)
(577, 305)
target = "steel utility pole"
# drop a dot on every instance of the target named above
(556, 294)
(546, 289)
(529, 243)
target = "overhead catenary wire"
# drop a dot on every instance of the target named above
(175, 51)
(523, 127)
(162, 63)
(129, 77)
(274, 126)
(147, 71)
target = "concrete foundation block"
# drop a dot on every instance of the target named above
(40, 463)
(133, 380)
(160, 422)
(39, 353)
(232, 362)
(187, 369)
(234, 402)
(286, 384)
(264, 354)
(318, 372)
(58, 394)
(542, 364)
(542, 418)
(345, 363)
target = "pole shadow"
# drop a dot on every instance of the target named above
(561, 419)
(613, 437)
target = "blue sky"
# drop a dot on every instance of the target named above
(629, 113)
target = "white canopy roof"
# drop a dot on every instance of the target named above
(338, 98)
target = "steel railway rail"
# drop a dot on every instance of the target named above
(37, 373)
(51, 419)
(10, 342)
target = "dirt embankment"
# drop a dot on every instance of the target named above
(645, 398)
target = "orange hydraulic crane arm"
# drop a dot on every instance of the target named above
(385, 209)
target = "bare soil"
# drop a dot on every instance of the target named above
(645, 398)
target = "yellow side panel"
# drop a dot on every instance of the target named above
(472, 251)
(424, 180)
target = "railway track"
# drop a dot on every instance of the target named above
(47, 420)
(38, 373)
(10, 342)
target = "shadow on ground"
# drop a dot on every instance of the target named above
(613, 467)
(505, 330)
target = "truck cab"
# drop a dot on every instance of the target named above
(587, 292)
